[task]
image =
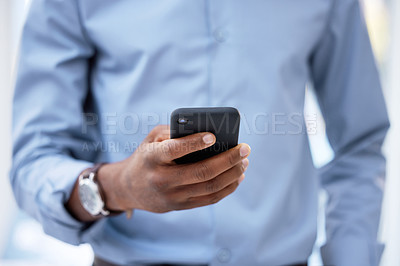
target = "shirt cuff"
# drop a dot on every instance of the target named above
(53, 216)
(351, 251)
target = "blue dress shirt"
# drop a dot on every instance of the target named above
(95, 76)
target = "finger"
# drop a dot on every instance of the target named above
(209, 199)
(216, 184)
(209, 168)
(163, 135)
(171, 149)
(158, 133)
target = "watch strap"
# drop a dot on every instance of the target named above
(92, 172)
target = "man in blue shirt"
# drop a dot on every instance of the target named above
(95, 77)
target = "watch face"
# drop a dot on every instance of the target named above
(90, 197)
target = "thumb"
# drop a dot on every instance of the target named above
(172, 149)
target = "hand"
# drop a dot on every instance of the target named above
(150, 179)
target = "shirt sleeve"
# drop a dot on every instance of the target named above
(348, 89)
(50, 142)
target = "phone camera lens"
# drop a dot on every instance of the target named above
(182, 121)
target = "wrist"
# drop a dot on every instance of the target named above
(109, 176)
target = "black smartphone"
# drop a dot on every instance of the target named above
(223, 122)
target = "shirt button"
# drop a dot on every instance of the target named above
(224, 255)
(221, 35)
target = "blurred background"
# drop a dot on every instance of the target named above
(22, 241)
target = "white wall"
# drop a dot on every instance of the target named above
(390, 226)
(7, 206)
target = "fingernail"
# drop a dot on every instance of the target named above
(241, 178)
(208, 139)
(244, 150)
(245, 163)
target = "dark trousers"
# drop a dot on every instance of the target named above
(101, 262)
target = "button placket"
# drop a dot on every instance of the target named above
(224, 255)
(221, 34)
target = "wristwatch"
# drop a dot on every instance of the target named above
(91, 193)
